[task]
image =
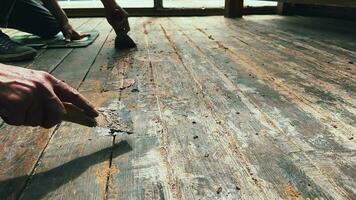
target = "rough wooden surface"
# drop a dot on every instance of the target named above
(256, 108)
(21, 147)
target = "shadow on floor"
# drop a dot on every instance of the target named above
(43, 183)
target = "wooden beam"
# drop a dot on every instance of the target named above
(284, 8)
(234, 8)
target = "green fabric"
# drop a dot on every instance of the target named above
(56, 42)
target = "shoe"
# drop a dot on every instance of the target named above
(11, 51)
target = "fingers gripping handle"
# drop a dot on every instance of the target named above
(76, 115)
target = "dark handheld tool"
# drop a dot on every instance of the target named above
(75, 115)
(123, 41)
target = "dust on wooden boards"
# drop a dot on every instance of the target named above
(257, 108)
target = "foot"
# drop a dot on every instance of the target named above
(12, 51)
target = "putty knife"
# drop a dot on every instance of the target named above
(113, 120)
(123, 41)
(78, 116)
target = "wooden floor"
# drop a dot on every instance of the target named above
(259, 108)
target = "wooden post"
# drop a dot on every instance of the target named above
(158, 4)
(283, 8)
(234, 8)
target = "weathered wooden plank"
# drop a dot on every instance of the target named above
(77, 62)
(19, 154)
(217, 171)
(253, 94)
(291, 59)
(126, 182)
(167, 170)
(309, 43)
(51, 58)
(328, 134)
(210, 119)
(76, 152)
(20, 147)
(334, 99)
(237, 120)
(333, 77)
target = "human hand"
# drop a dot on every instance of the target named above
(118, 19)
(70, 34)
(36, 98)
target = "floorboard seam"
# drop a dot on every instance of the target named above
(113, 142)
(110, 165)
(124, 73)
(91, 65)
(206, 100)
(267, 117)
(216, 65)
(28, 181)
(111, 158)
(71, 50)
(173, 192)
(55, 67)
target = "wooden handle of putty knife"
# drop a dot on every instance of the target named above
(78, 116)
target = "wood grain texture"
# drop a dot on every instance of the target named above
(75, 153)
(255, 108)
(127, 181)
(20, 147)
(334, 142)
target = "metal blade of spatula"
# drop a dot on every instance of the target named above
(123, 41)
(114, 120)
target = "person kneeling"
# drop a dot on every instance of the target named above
(46, 20)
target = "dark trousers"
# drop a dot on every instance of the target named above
(29, 16)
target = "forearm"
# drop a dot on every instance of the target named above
(57, 11)
(110, 4)
(116, 16)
